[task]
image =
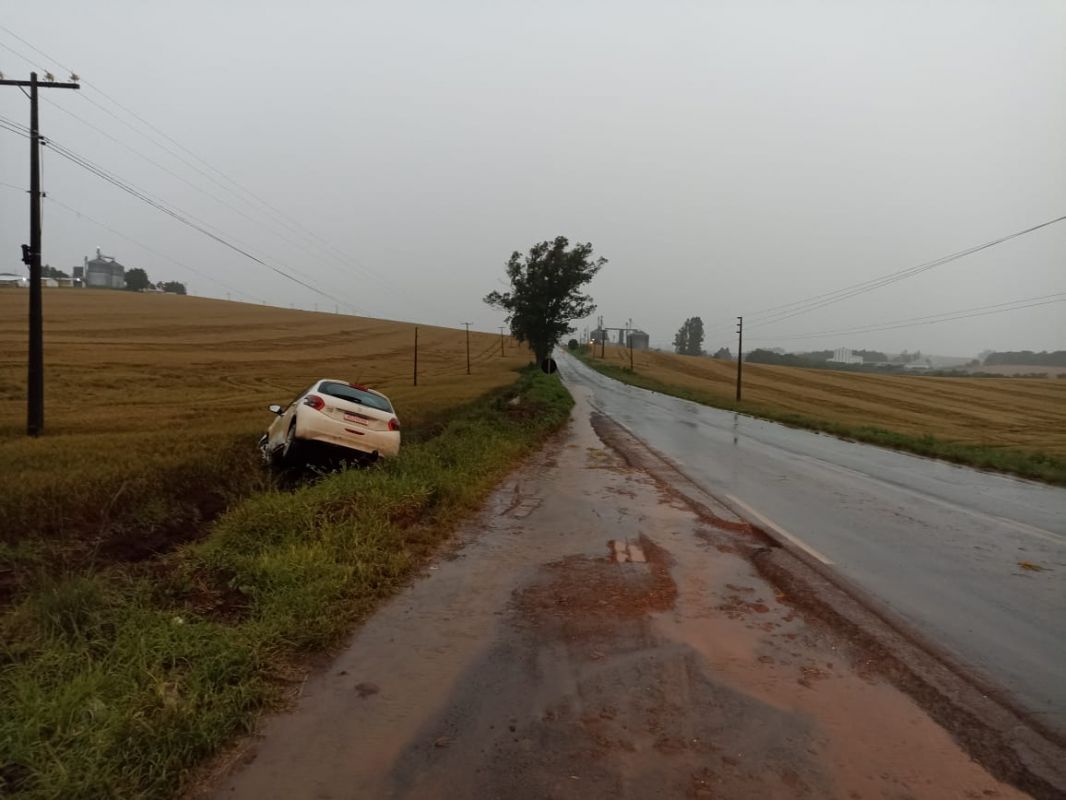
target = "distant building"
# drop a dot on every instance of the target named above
(103, 272)
(9, 280)
(843, 355)
(639, 340)
(598, 335)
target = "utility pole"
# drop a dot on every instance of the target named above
(501, 341)
(467, 324)
(740, 352)
(416, 357)
(31, 256)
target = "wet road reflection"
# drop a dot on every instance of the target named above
(948, 548)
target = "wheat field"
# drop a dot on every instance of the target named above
(150, 388)
(1022, 413)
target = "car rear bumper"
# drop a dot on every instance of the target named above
(319, 428)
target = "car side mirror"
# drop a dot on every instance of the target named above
(276, 409)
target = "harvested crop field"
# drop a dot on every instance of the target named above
(1016, 413)
(154, 401)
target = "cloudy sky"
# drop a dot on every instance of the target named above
(727, 157)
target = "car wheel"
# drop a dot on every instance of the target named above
(290, 446)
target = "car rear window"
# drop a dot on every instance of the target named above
(343, 391)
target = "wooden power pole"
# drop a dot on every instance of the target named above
(467, 324)
(740, 352)
(31, 256)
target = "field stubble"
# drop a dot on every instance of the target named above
(1012, 424)
(154, 403)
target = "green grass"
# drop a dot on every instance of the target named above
(116, 683)
(1038, 466)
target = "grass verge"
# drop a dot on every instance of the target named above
(116, 683)
(1038, 466)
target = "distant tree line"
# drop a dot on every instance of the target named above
(1045, 358)
(816, 359)
(137, 280)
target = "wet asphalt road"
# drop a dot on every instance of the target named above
(589, 635)
(941, 545)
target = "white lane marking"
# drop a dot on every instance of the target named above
(769, 523)
(1053, 537)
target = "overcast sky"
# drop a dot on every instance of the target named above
(725, 156)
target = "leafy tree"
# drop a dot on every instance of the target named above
(724, 354)
(52, 272)
(572, 344)
(689, 338)
(137, 280)
(174, 287)
(546, 292)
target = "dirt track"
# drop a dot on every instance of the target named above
(591, 636)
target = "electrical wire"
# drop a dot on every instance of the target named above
(930, 319)
(186, 219)
(147, 248)
(145, 195)
(277, 216)
(806, 305)
(272, 229)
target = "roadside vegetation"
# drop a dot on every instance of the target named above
(158, 586)
(117, 680)
(1007, 425)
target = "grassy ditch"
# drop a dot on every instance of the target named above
(1035, 465)
(116, 682)
(152, 402)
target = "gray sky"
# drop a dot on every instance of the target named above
(725, 156)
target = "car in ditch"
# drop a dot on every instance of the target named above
(345, 419)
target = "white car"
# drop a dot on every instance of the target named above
(338, 413)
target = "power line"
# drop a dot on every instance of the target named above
(183, 216)
(277, 216)
(795, 308)
(272, 228)
(24, 58)
(932, 319)
(153, 251)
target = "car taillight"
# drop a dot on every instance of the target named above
(316, 402)
(394, 424)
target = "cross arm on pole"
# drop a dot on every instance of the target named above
(40, 84)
